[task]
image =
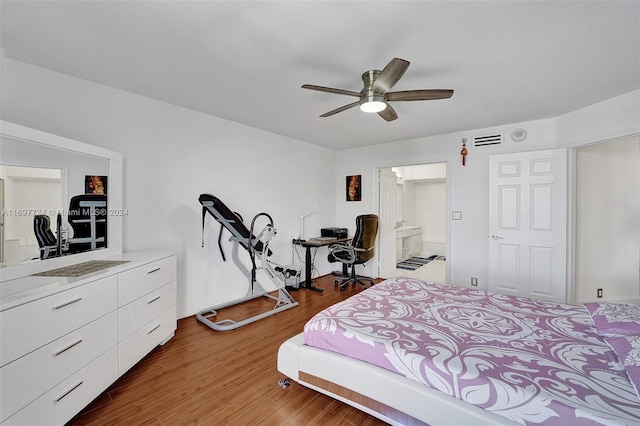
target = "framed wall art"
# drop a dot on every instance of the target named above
(95, 184)
(354, 189)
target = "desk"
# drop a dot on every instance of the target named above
(309, 244)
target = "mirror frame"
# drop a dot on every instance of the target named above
(114, 229)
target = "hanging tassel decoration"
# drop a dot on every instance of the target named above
(464, 151)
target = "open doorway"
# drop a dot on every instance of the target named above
(414, 208)
(606, 222)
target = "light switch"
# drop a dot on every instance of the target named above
(457, 215)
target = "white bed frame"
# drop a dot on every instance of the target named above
(386, 395)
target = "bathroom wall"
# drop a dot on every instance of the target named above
(408, 203)
(430, 207)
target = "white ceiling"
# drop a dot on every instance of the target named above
(508, 61)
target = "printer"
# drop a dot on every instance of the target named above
(334, 232)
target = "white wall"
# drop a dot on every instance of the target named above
(614, 118)
(171, 155)
(408, 203)
(431, 211)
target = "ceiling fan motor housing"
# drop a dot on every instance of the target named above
(369, 100)
(369, 77)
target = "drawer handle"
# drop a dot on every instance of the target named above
(58, 399)
(152, 271)
(68, 347)
(153, 329)
(153, 300)
(62, 305)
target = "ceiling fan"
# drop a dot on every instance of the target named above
(375, 96)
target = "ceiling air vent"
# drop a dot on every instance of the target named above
(489, 140)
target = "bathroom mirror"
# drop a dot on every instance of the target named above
(39, 174)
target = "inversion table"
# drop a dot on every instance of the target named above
(258, 248)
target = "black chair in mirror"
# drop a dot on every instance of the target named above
(47, 242)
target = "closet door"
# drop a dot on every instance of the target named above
(527, 222)
(607, 218)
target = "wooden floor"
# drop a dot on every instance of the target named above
(207, 377)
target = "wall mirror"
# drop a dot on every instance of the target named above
(59, 180)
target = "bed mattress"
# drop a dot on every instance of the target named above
(530, 361)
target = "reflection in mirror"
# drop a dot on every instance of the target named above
(87, 216)
(40, 175)
(28, 191)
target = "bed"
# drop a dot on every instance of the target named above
(412, 352)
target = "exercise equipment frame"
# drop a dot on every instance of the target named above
(258, 248)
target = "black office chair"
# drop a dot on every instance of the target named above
(88, 219)
(357, 251)
(47, 242)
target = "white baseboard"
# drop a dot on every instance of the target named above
(631, 300)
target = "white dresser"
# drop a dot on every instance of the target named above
(65, 340)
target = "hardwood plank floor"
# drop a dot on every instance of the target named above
(207, 377)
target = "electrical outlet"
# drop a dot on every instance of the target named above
(474, 282)
(599, 293)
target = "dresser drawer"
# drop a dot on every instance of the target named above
(140, 343)
(144, 279)
(29, 377)
(30, 326)
(60, 404)
(139, 312)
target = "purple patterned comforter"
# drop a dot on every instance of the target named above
(531, 361)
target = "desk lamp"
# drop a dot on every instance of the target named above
(301, 236)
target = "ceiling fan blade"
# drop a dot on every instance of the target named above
(388, 113)
(342, 108)
(390, 75)
(419, 95)
(330, 90)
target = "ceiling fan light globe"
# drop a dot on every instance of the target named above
(373, 106)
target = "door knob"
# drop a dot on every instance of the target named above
(496, 237)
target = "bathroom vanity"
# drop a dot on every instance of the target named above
(408, 241)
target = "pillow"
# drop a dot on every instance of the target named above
(615, 319)
(628, 350)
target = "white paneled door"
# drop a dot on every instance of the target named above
(528, 220)
(387, 219)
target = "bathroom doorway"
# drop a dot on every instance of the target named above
(419, 221)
